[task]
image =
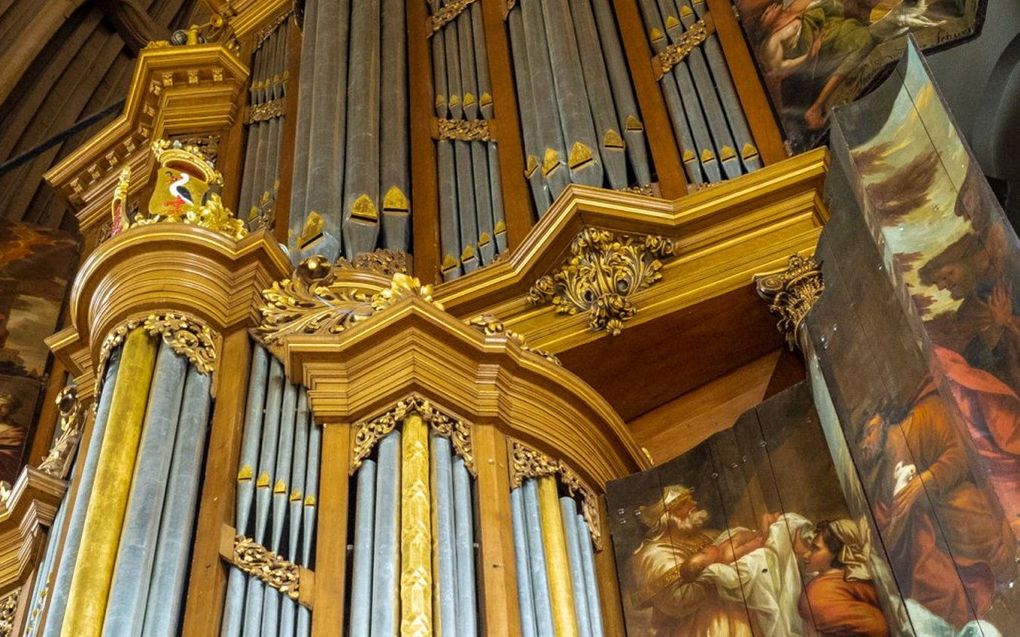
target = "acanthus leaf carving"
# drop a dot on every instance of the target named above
(254, 559)
(72, 421)
(490, 325)
(604, 271)
(791, 292)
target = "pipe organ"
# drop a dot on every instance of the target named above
(334, 412)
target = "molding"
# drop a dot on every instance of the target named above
(723, 236)
(25, 515)
(175, 90)
(791, 293)
(164, 269)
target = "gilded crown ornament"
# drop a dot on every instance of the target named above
(603, 273)
(791, 293)
(185, 192)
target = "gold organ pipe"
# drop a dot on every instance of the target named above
(415, 530)
(554, 538)
(90, 586)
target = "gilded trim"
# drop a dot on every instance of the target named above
(677, 52)
(267, 110)
(554, 541)
(8, 612)
(491, 326)
(445, 15)
(415, 530)
(474, 130)
(527, 462)
(791, 293)
(72, 421)
(368, 433)
(254, 559)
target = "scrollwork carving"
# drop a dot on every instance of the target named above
(475, 130)
(677, 52)
(8, 612)
(601, 276)
(255, 559)
(368, 433)
(72, 421)
(445, 15)
(526, 462)
(267, 110)
(382, 262)
(311, 301)
(791, 293)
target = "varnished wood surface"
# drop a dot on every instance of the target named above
(679, 425)
(498, 610)
(609, 585)
(208, 578)
(424, 184)
(331, 532)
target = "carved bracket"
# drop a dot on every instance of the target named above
(368, 433)
(526, 462)
(312, 301)
(601, 276)
(72, 421)
(791, 293)
(677, 52)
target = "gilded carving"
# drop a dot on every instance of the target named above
(311, 301)
(475, 130)
(526, 462)
(791, 293)
(185, 191)
(263, 34)
(415, 531)
(490, 325)
(447, 13)
(369, 432)
(72, 420)
(601, 276)
(8, 611)
(381, 261)
(185, 334)
(255, 559)
(677, 52)
(267, 110)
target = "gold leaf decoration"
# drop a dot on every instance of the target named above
(381, 261)
(72, 421)
(8, 612)
(368, 433)
(475, 130)
(490, 326)
(254, 559)
(675, 53)
(445, 15)
(526, 462)
(791, 293)
(602, 274)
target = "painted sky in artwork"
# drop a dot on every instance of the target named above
(912, 170)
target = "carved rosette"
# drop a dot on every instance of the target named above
(8, 611)
(791, 293)
(72, 421)
(254, 559)
(603, 273)
(368, 433)
(526, 462)
(185, 334)
(491, 326)
(313, 301)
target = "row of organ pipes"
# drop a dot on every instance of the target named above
(471, 224)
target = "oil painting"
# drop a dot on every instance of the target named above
(746, 534)
(814, 54)
(36, 265)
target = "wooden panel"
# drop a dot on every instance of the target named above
(424, 185)
(331, 532)
(208, 579)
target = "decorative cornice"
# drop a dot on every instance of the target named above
(473, 130)
(445, 15)
(527, 462)
(677, 52)
(604, 270)
(491, 326)
(254, 559)
(319, 299)
(72, 421)
(791, 293)
(369, 432)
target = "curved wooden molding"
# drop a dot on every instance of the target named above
(723, 236)
(29, 510)
(175, 89)
(414, 347)
(160, 268)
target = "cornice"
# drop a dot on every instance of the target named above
(413, 347)
(174, 90)
(27, 511)
(164, 268)
(722, 236)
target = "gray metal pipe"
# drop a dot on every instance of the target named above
(568, 511)
(464, 545)
(303, 130)
(536, 558)
(591, 579)
(529, 114)
(386, 555)
(361, 582)
(522, 561)
(445, 578)
(395, 177)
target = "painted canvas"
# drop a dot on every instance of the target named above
(36, 265)
(746, 534)
(813, 54)
(918, 431)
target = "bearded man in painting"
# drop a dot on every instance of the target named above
(665, 566)
(946, 539)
